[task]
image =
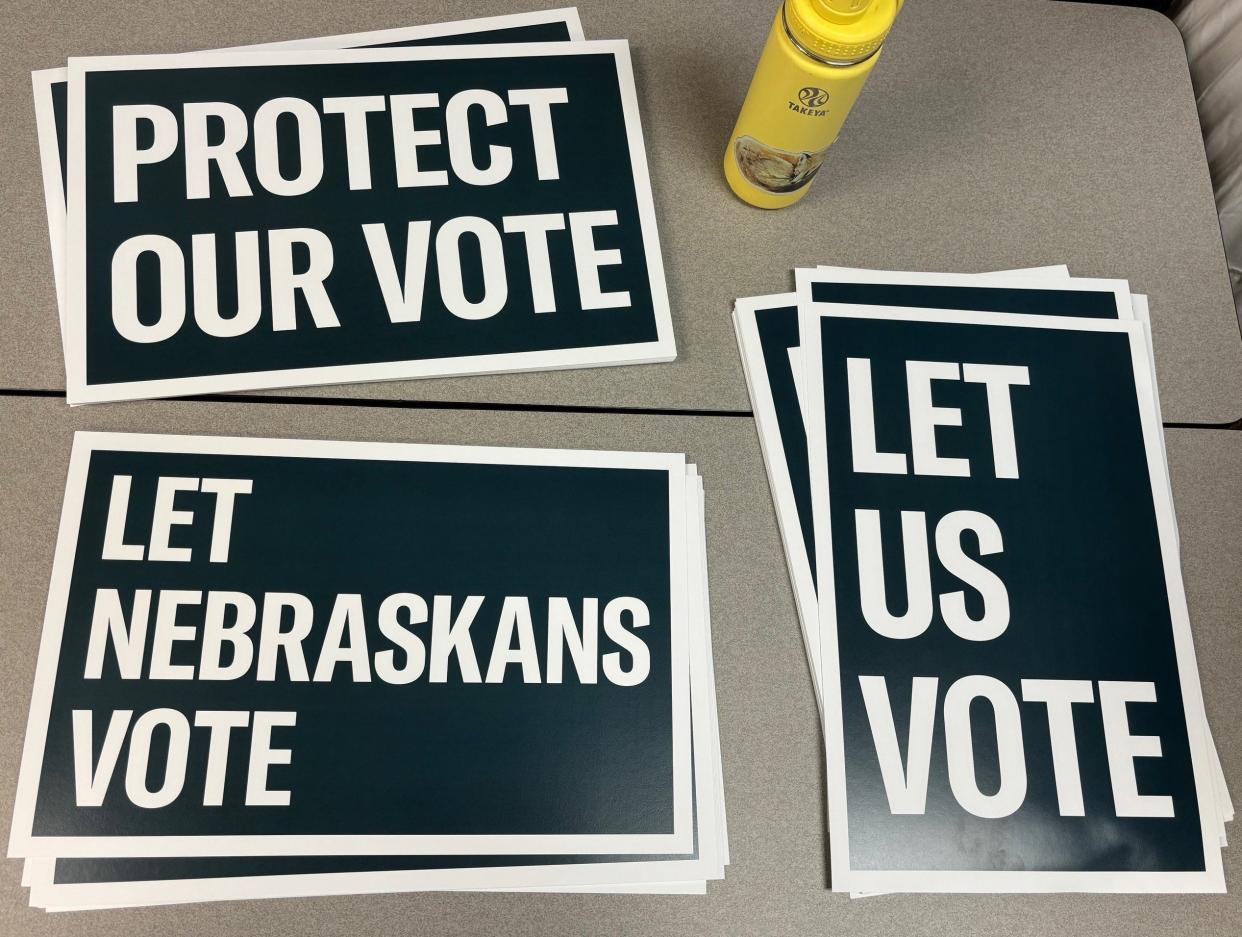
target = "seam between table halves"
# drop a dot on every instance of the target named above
(287, 400)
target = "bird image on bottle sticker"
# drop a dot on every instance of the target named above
(773, 169)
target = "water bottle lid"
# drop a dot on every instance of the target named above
(840, 31)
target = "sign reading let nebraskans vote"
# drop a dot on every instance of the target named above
(1011, 698)
(264, 647)
(266, 219)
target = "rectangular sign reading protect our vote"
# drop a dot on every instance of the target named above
(265, 219)
(264, 647)
(1011, 697)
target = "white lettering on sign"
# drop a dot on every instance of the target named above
(926, 417)
(228, 154)
(298, 124)
(906, 782)
(217, 635)
(210, 635)
(165, 517)
(473, 238)
(164, 735)
(917, 616)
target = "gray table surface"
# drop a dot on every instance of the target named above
(993, 134)
(774, 772)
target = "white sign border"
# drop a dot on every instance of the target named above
(24, 844)
(648, 877)
(845, 878)
(79, 391)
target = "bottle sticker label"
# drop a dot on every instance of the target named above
(773, 169)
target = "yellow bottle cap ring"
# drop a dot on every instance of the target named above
(839, 32)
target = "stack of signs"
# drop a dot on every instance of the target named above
(970, 481)
(463, 198)
(278, 668)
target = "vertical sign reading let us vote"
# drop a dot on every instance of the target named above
(269, 219)
(1017, 688)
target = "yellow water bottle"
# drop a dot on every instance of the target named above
(817, 57)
